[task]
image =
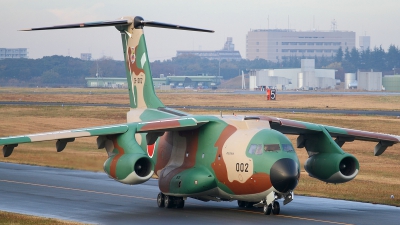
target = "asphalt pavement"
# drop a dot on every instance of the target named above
(92, 197)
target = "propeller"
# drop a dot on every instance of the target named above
(137, 21)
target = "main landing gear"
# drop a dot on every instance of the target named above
(169, 201)
(243, 204)
(273, 207)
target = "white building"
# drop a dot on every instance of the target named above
(11, 53)
(365, 42)
(86, 56)
(276, 44)
(305, 77)
(369, 81)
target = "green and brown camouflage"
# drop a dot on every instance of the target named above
(218, 158)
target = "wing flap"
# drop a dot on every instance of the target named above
(181, 123)
(361, 135)
(342, 135)
(65, 134)
(297, 127)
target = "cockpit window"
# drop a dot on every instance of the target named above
(255, 149)
(272, 147)
(287, 148)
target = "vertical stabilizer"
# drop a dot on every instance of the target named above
(138, 73)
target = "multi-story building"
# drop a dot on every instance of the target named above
(276, 44)
(10, 53)
(227, 53)
(86, 56)
(364, 42)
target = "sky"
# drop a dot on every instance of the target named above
(229, 18)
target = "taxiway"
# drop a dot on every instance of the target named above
(91, 197)
(222, 109)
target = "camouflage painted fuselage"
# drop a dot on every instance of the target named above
(220, 159)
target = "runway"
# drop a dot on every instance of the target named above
(91, 197)
(223, 109)
(290, 92)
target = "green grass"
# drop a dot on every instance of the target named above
(16, 219)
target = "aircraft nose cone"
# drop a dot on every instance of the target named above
(284, 175)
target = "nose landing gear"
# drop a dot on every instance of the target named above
(273, 207)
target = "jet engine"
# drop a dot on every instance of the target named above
(129, 168)
(332, 167)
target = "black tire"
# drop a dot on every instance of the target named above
(181, 203)
(241, 204)
(267, 209)
(160, 200)
(168, 201)
(276, 209)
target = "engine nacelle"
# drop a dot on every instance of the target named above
(332, 167)
(129, 168)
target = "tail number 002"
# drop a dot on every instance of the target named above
(242, 167)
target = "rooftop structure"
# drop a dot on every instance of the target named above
(227, 53)
(277, 44)
(11, 53)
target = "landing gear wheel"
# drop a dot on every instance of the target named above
(181, 203)
(168, 201)
(241, 204)
(276, 209)
(267, 209)
(160, 200)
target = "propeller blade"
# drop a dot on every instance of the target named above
(83, 25)
(172, 26)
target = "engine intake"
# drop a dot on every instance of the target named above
(129, 168)
(332, 167)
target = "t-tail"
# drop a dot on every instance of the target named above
(138, 73)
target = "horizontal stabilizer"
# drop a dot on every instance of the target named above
(172, 26)
(83, 25)
(138, 23)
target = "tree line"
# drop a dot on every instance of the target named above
(61, 71)
(376, 59)
(56, 71)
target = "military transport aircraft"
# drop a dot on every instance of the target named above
(209, 158)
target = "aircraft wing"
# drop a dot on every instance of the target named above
(180, 123)
(342, 135)
(65, 136)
